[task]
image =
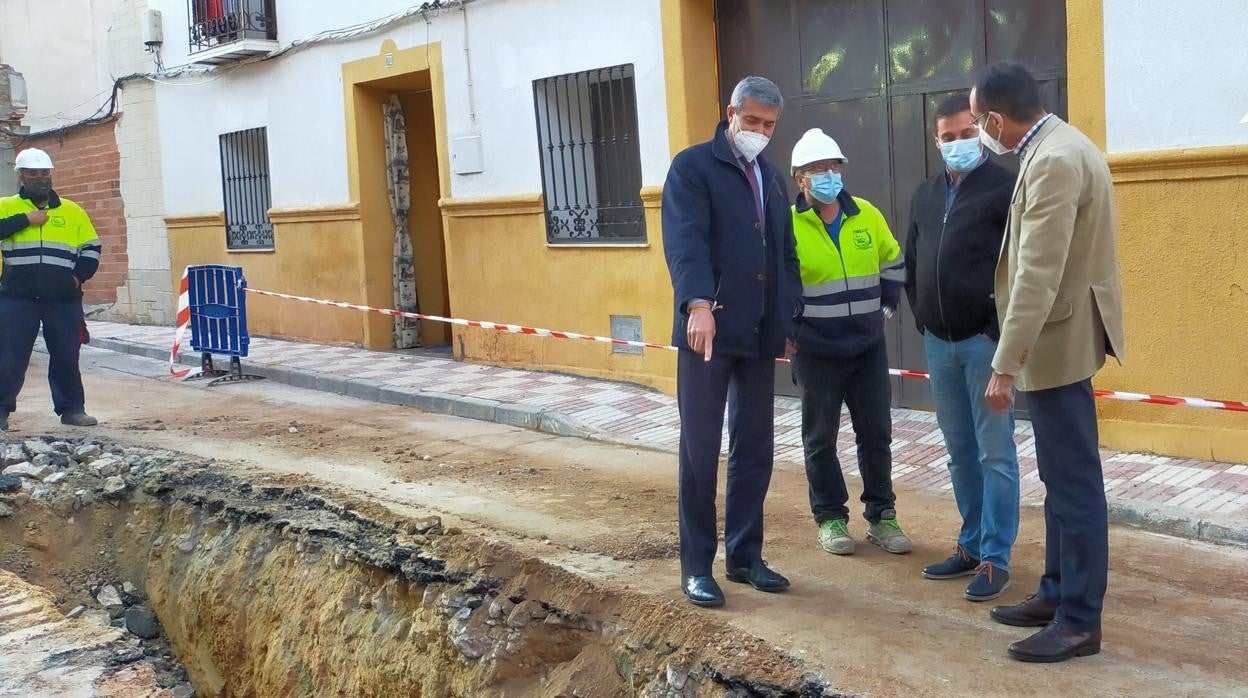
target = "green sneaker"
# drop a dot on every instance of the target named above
(888, 534)
(834, 537)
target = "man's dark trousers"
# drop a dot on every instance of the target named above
(862, 383)
(62, 326)
(1076, 525)
(702, 388)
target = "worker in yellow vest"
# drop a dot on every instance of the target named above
(852, 277)
(49, 249)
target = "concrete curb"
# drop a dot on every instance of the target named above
(510, 414)
(1154, 518)
(1175, 522)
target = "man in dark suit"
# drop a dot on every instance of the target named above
(727, 235)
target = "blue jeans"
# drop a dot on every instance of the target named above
(983, 457)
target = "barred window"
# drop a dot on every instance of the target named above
(591, 159)
(245, 184)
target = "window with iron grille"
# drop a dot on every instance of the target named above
(591, 159)
(245, 184)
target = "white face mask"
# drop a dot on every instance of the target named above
(749, 143)
(991, 143)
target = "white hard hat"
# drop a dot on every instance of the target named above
(32, 159)
(813, 146)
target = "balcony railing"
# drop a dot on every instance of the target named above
(219, 23)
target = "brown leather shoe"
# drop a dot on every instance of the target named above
(1057, 643)
(1032, 613)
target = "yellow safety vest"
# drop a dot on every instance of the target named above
(42, 261)
(841, 283)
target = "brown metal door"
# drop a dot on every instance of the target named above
(870, 73)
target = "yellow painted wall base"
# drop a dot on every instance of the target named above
(501, 269)
(316, 254)
(1179, 440)
(1182, 218)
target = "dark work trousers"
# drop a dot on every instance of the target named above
(62, 334)
(1076, 524)
(702, 389)
(861, 383)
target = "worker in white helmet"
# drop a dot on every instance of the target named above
(49, 249)
(852, 276)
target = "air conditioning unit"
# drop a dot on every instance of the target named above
(12, 94)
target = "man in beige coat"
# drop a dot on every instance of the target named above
(1059, 301)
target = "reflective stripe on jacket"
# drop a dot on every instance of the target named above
(43, 261)
(847, 280)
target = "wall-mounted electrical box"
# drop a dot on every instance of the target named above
(153, 28)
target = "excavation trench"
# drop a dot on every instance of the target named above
(278, 587)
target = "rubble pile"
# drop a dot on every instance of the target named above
(43, 469)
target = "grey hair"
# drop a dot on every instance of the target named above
(760, 90)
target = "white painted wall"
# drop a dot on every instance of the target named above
(299, 97)
(65, 49)
(1176, 73)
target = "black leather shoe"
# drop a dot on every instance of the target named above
(1057, 643)
(79, 419)
(703, 591)
(1032, 613)
(758, 576)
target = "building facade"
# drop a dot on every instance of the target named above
(525, 143)
(112, 165)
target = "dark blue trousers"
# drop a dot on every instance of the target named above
(62, 334)
(703, 389)
(1076, 565)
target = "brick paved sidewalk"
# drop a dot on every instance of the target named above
(1196, 499)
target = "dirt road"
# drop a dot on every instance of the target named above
(1176, 616)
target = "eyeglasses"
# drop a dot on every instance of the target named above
(979, 121)
(819, 167)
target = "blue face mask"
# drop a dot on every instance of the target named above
(961, 156)
(825, 186)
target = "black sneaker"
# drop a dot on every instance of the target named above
(988, 583)
(959, 564)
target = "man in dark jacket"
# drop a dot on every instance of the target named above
(728, 238)
(957, 224)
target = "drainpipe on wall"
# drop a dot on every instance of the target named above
(8, 178)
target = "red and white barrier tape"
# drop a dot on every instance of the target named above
(1227, 405)
(513, 329)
